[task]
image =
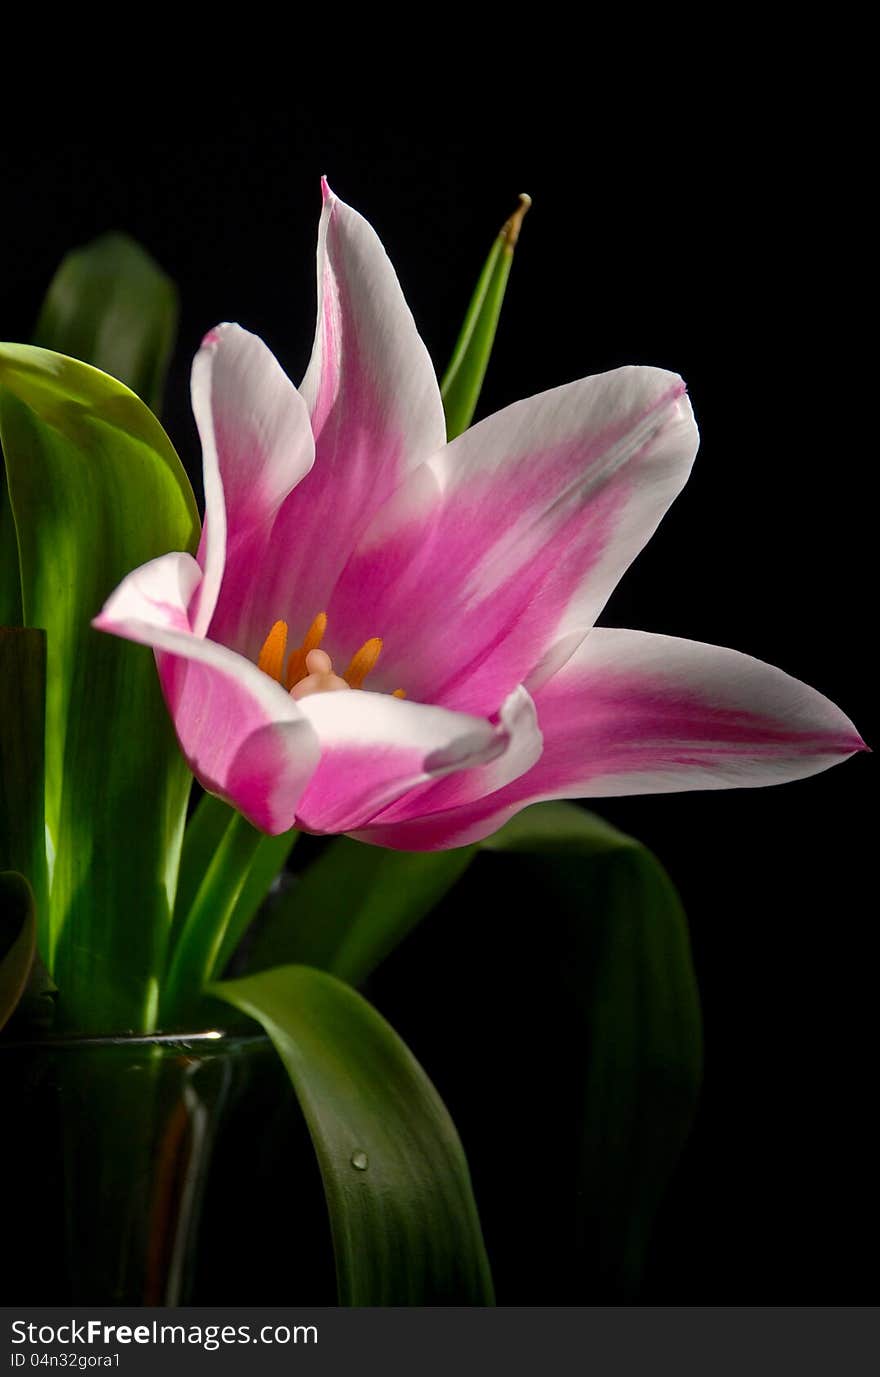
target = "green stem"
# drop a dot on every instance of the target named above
(268, 861)
(204, 833)
(203, 936)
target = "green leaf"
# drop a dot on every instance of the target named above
(617, 942)
(18, 940)
(111, 305)
(238, 872)
(353, 905)
(96, 490)
(559, 829)
(463, 379)
(204, 833)
(203, 837)
(269, 858)
(22, 727)
(613, 939)
(402, 1213)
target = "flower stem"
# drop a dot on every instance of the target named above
(237, 877)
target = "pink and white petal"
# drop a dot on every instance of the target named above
(634, 713)
(244, 738)
(513, 532)
(374, 748)
(257, 445)
(376, 413)
(370, 380)
(519, 720)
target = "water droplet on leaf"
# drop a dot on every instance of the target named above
(359, 1160)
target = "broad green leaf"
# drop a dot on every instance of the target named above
(22, 727)
(97, 489)
(613, 940)
(463, 379)
(402, 1213)
(237, 875)
(353, 905)
(111, 305)
(18, 940)
(614, 936)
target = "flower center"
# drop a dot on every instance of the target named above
(310, 669)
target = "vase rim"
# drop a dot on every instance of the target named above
(217, 1037)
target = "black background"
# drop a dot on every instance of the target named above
(712, 231)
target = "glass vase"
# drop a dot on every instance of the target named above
(155, 1171)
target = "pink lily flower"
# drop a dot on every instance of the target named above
(344, 539)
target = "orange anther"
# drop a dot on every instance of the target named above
(271, 656)
(310, 669)
(363, 661)
(296, 665)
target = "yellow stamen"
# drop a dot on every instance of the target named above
(296, 665)
(271, 656)
(363, 661)
(309, 669)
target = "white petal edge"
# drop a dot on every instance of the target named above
(150, 608)
(519, 721)
(375, 748)
(387, 331)
(257, 445)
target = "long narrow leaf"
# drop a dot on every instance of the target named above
(268, 862)
(97, 489)
(205, 831)
(223, 905)
(111, 305)
(202, 840)
(463, 379)
(402, 1213)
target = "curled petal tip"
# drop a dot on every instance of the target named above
(214, 337)
(326, 191)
